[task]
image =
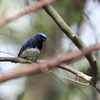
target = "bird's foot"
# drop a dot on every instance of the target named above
(34, 59)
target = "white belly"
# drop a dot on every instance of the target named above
(30, 52)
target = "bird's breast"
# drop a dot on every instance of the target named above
(30, 52)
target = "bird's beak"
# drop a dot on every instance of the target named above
(44, 40)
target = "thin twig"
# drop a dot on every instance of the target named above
(7, 48)
(67, 77)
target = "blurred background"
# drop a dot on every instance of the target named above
(84, 19)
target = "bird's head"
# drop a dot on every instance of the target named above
(41, 37)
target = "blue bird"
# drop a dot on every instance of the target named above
(32, 47)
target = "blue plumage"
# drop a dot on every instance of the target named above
(33, 46)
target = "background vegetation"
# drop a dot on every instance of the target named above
(83, 18)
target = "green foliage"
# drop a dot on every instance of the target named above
(71, 11)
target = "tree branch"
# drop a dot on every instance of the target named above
(26, 10)
(81, 75)
(64, 58)
(50, 63)
(76, 40)
(43, 66)
(13, 59)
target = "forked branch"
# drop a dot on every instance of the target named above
(50, 63)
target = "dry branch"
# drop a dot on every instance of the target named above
(43, 66)
(26, 10)
(75, 39)
(65, 58)
(50, 63)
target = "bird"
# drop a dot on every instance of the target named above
(32, 47)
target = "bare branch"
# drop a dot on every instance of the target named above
(63, 67)
(77, 73)
(64, 58)
(81, 75)
(43, 66)
(26, 10)
(13, 59)
(76, 40)
(50, 63)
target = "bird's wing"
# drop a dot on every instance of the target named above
(25, 46)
